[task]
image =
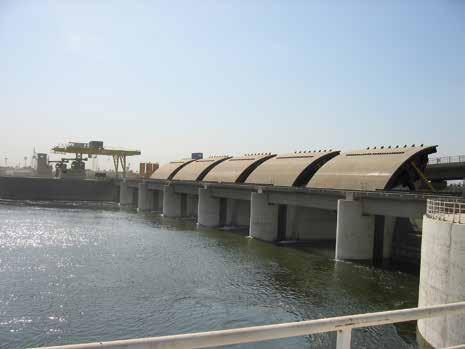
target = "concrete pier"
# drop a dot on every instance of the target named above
(145, 199)
(208, 209)
(442, 279)
(126, 195)
(354, 232)
(263, 218)
(171, 202)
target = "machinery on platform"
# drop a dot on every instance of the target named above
(76, 170)
(91, 149)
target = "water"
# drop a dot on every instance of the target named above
(79, 273)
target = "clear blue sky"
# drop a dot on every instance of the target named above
(231, 77)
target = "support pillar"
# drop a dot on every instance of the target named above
(263, 218)
(354, 232)
(145, 199)
(171, 202)
(208, 209)
(125, 194)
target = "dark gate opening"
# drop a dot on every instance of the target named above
(223, 211)
(378, 243)
(282, 222)
(183, 205)
(135, 198)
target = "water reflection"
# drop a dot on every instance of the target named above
(89, 273)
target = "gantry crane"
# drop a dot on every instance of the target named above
(95, 148)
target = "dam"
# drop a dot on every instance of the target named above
(320, 211)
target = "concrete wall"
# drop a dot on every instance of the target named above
(442, 280)
(305, 223)
(35, 188)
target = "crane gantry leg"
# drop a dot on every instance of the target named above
(117, 160)
(116, 163)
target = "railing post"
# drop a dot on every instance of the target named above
(343, 338)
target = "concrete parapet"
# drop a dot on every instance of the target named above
(263, 218)
(208, 209)
(442, 280)
(171, 202)
(354, 232)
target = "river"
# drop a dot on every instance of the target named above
(72, 273)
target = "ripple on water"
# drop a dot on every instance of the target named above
(80, 274)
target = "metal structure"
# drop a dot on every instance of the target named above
(447, 159)
(95, 148)
(236, 169)
(342, 325)
(446, 168)
(294, 169)
(169, 170)
(447, 210)
(383, 168)
(197, 170)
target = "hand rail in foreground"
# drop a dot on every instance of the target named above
(343, 325)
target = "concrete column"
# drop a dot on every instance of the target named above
(145, 199)
(354, 232)
(125, 194)
(263, 218)
(208, 209)
(442, 280)
(171, 202)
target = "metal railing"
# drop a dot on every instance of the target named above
(447, 210)
(446, 159)
(343, 325)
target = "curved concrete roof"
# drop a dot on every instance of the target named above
(197, 170)
(372, 169)
(168, 170)
(236, 169)
(293, 169)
